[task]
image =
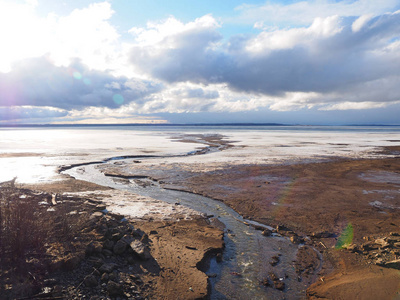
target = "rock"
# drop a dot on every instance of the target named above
(107, 252)
(394, 264)
(266, 232)
(352, 248)
(89, 249)
(369, 246)
(113, 276)
(90, 281)
(279, 285)
(115, 289)
(107, 268)
(382, 243)
(96, 215)
(119, 247)
(145, 239)
(108, 244)
(322, 234)
(295, 239)
(104, 277)
(397, 245)
(96, 261)
(273, 276)
(128, 239)
(218, 257)
(266, 282)
(71, 263)
(395, 234)
(395, 252)
(50, 282)
(130, 259)
(282, 229)
(100, 207)
(140, 250)
(116, 236)
(274, 260)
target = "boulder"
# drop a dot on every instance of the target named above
(90, 281)
(107, 268)
(140, 250)
(119, 247)
(114, 289)
(108, 244)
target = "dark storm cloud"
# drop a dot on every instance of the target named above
(37, 82)
(327, 57)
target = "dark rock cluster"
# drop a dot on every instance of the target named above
(383, 251)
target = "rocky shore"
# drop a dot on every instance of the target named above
(89, 253)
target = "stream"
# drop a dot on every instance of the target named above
(247, 253)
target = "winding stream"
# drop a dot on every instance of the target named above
(247, 254)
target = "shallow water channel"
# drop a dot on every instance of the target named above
(247, 253)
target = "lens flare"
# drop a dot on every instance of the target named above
(87, 81)
(77, 75)
(346, 237)
(118, 99)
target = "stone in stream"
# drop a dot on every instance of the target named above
(274, 260)
(266, 232)
(295, 239)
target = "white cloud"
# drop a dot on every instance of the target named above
(301, 13)
(360, 22)
(84, 33)
(357, 105)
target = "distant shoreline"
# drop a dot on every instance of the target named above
(190, 125)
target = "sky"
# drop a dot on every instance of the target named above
(128, 61)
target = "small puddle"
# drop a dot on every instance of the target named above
(381, 177)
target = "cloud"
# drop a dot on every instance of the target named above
(333, 58)
(16, 113)
(303, 13)
(84, 33)
(308, 55)
(38, 82)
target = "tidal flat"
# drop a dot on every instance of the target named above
(225, 213)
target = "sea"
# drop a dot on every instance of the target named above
(33, 154)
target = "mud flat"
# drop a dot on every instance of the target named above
(347, 209)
